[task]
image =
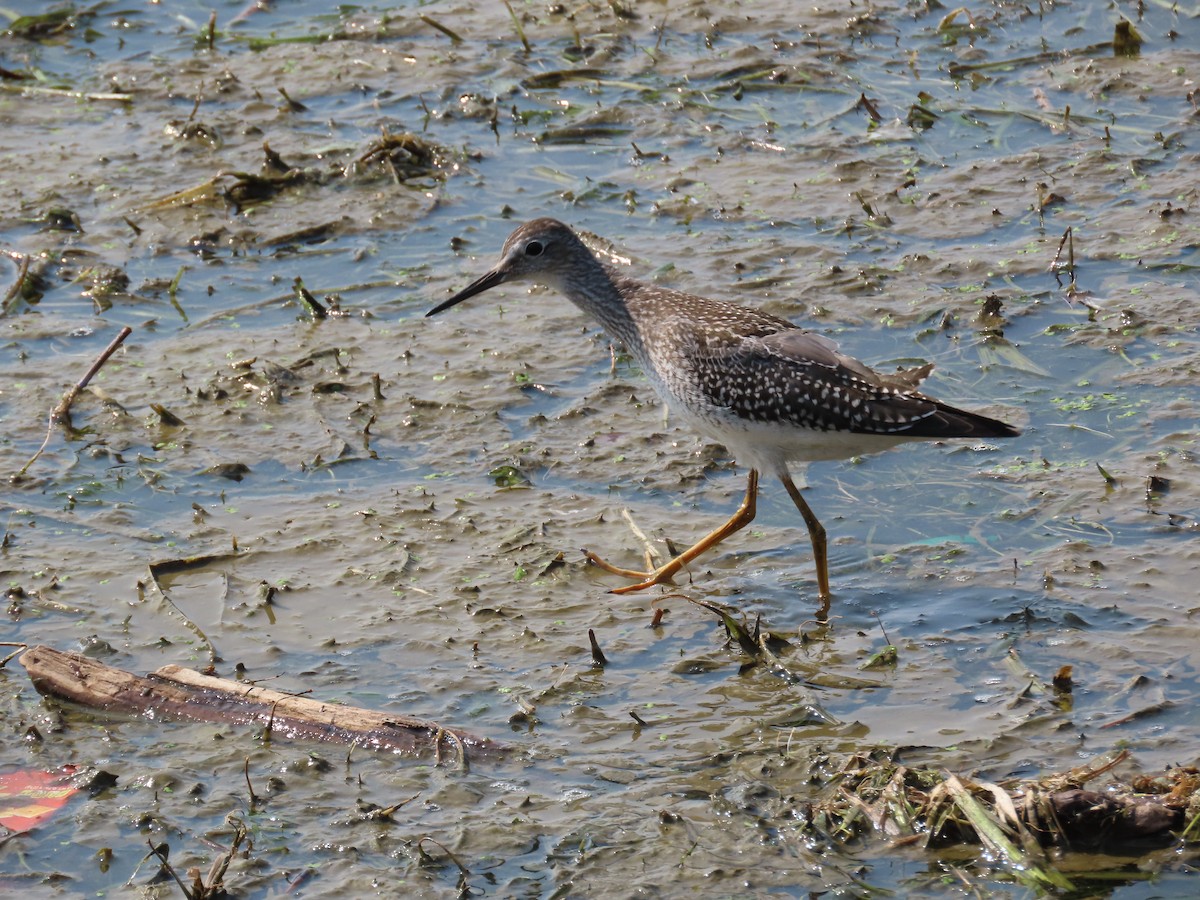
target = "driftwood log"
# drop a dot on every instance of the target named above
(178, 693)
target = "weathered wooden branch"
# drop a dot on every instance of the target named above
(178, 693)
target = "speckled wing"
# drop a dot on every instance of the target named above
(799, 377)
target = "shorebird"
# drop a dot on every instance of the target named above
(769, 391)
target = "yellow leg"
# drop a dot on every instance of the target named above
(816, 533)
(664, 573)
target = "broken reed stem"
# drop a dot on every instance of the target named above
(249, 786)
(304, 295)
(598, 656)
(463, 870)
(165, 863)
(214, 885)
(1071, 252)
(1068, 241)
(438, 26)
(456, 741)
(15, 291)
(520, 29)
(62, 411)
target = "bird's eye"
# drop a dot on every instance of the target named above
(534, 248)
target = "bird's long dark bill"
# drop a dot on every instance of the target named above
(491, 279)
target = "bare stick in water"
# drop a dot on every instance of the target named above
(62, 410)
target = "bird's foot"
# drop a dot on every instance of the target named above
(595, 560)
(661, 575)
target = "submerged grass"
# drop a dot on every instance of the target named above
(1014, 822)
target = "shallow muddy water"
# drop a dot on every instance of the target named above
(896, 176)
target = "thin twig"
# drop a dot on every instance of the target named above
(116, 96)
(62, 411)
(191, 625)
(648, 549)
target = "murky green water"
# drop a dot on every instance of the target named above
(414, 531)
